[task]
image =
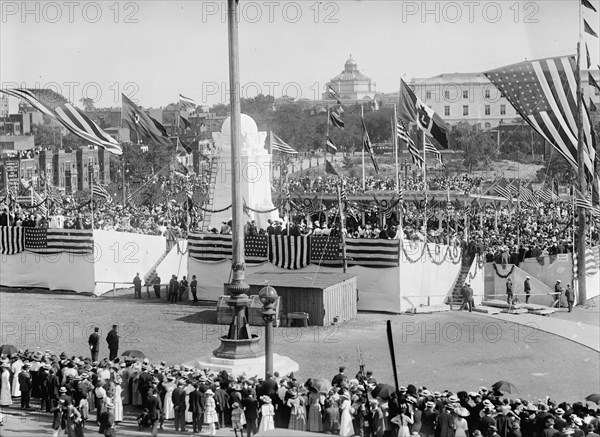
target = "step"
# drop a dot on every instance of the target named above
(515, 311)
(486, 310)
(545, 312)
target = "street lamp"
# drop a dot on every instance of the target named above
(268, 296)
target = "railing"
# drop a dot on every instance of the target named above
(114, 284)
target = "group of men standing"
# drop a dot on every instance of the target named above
(112, 339)
(175, 290)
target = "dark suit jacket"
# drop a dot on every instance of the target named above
(154, 407)
(25, 381)
(195, 402)
(178, 397)
(250, 406)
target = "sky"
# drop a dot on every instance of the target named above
(154, 50)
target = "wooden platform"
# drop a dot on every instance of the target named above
(326, 297)
(486, 310)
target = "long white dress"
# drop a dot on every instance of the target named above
(16, 369)
(267, 422)
(189, 416)
(118, 402)
(346, 426)
(169, 409)
(5, 398)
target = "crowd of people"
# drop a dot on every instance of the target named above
(80, 393)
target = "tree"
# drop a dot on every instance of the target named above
(557, 167)
(478, 146)
(88, 103)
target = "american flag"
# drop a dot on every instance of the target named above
(325, 251)
(412, 148)
(100, 191)
(187, 102)
(367, 142)
(281, 146)
(16, 239)
(545, 196)
(592, 260)
(218, 247)
(60, 109)
(373, 252)
(582, 202)
(430, 148)
(53, 194)
(544, 93)
(505, 191)
(336, 120)
(333, 94)
(526, 196)
(289, 252)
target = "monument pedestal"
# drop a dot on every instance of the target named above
(247, 366)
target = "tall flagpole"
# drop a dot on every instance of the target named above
(91, 194)
(424, 180)
(395, 142)
(342, 229)
(362, 118)
(581, 279)
(327, 132)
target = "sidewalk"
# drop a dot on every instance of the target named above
(582, 333)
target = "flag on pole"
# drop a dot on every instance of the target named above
(413, 110)
(183, 147)
(587, 53)
(137, 120)
(592, 81)
(329, 168)
(581, 201)
(60, 109)
(53, 194)
(544, 93)
(333, 94)
(336, 120)
(588, 5)
(187, 102)
(281, 146)
(412, 148)
(367, 142)
(588, 29)
(100, 191)
(185, 122)
(430, 148)
(331, 147)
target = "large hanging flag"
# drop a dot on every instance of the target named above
(101, 192)
(544, 93)
(336, 120)
(333, 94)
(413, 110)
(136, 119)
(183, 147)
(281, 146)
(289, 252)
(187, 102)
(581, 201)
(367, 143)
(60, 109)
(16, 239)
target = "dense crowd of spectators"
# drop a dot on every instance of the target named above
(76, 390)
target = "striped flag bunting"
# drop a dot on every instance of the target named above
(187, 102)
(336, 120)
(12, 239)
(412, 148)
(333, 94)
(430, 148)
(526, 196)
(289, 252)
(53, 194)
(325, 251)
(549, 105)
(100, 191)
(596, 212)
(15, 239)
(281, 146)
(592, 260)
(582, 202)
(60, 109)
(545, 196)
(343, 194)
(373, 253)
(189, 191)
(218, 247)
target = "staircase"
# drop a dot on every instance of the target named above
(148, 277)
(208, 203)
(455, 298)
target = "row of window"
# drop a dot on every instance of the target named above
(488, 110)
(487, 93)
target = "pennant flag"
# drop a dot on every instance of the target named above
(180, 169)
(544, 93)
(413, 110)
(289, 252)
(593, 107)
(336, 120)
(185, 122)
(339, 110)
(60, 109)
(137, 120)
(593, 82)
(333, 94)
(367, 143)
(187, 102)
(181, 146)
(589, 59)
(331, 147)
(430, 148)
(100, 191)
(412, 148)
(588, 29)
(281, 146)
(329, 168)
(588, 5)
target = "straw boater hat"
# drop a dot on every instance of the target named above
(266, 399)
(209, 392)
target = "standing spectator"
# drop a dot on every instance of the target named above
(428, 420)
(250, 405)
(558, 291)
(509, 292)
(156, 285)
(527, 289)
(94, 342)
(137, 286)
(570, 296)
(25, 383)
(179, 406)
(210, 412)
(113, 342)
(238, 419)
(195, 408)
(154, 411)
(194, 288)
(5, 397)
(173, 289)
(267, 412)
(183, 285)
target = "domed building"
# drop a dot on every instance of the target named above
(351, 84)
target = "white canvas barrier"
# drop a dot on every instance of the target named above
(393, 289)
(495, 288)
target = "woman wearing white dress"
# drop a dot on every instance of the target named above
(210, 411)
(403, 420)
(5, 397)
(168, 408)
(267, 413)
(118, 400)
(461, 426)
(16, 369)
(346, 426)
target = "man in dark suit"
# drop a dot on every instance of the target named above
(144, 384)
(428, 420)
(173, 289)
(183, 285)
(527, 289)
(178, 398)
(270, 386)
(445, 426)
(25, 383)
(137, 286)
(154, 410)
(156, 284)
(195, 408)
(94, 342)
(339, 378)
(570, 296)
(194, 288)
(113, 343)
(53, 387)
(251, 406)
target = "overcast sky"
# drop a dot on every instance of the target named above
(154, 50)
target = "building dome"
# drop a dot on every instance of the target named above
(248, 126)
(350, 64)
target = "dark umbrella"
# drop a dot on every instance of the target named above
(383, 391)
(595, 398)
(133, 354)
(321, 385)
(504, 387)
(7, 349)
